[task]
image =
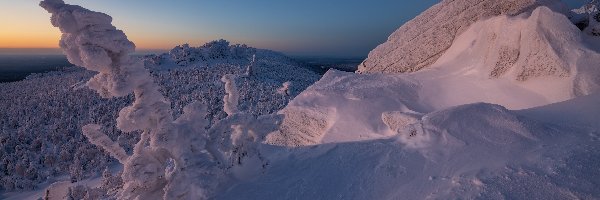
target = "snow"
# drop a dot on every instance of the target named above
(420, 42)
(96, 137)
(344, 106)
(51, 113)
(552, 63)
(504, 107)
(230, 101)
(469, 151)
(582, 112)
(174, 157)
(424, 135)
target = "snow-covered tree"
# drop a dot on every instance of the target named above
(173, 158)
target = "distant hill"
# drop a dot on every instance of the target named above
(41, 117)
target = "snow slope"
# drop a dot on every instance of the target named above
(474, 151)
(421, 41)
(540, 58)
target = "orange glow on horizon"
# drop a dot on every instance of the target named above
(25, 40)
(50, 39)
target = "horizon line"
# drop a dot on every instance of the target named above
(58, 51)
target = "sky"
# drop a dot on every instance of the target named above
(338, 28)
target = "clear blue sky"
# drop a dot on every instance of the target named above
(305, 27)
(343, 28)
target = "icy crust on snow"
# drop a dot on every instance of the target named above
(421, 41)
(470, 151)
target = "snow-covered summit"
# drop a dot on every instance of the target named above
(217, 51)
(421, 41)
(213, 53)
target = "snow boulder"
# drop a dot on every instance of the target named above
(421, 41)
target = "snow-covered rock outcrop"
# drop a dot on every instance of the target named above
(421, 41)
(518, 62)
(587, 18)
(539, 49)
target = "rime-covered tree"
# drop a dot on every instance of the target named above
(174, 158)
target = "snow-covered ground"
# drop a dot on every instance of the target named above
(424, 135)
(473, 151)
(507, 108)
(42, 116)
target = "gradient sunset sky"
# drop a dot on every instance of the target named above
(342, 28)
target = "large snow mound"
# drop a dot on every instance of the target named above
(421, 41)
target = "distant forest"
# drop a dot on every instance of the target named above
(17, 67)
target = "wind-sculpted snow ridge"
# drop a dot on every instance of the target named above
(421, 41)
(425, 135)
